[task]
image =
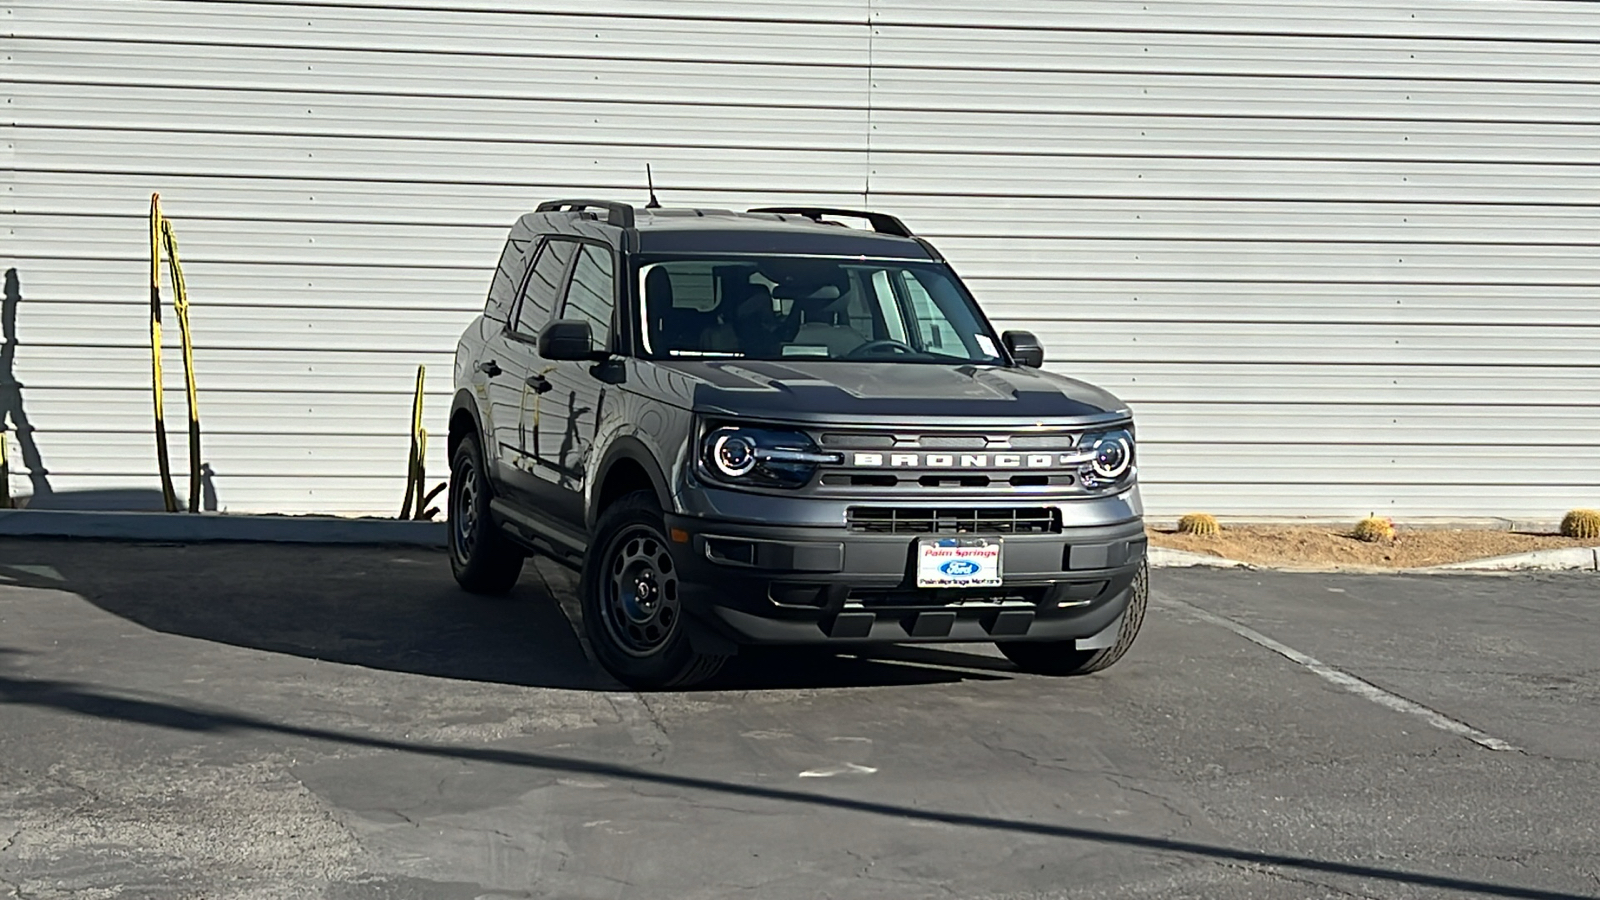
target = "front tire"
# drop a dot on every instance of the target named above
(631, 610)
(1064, 658)
(481, 558)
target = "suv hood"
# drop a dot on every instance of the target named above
(850, 392)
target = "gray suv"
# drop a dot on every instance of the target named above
(767, 428)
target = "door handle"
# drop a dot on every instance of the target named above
(539, 383)
(490, 368)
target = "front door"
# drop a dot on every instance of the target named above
(570, 412)
(514, 398)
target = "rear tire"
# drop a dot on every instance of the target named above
(482, 559)
(631, 610)
(1064, 658)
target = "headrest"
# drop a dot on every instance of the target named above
(658, 288)
(759, 297)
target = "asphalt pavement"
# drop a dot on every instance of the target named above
(266, 721)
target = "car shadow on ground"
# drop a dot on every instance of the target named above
(398, 609)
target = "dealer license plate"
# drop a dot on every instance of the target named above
(958, 562)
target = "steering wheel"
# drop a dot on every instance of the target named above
(884, 344)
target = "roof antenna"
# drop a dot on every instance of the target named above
(654, 203)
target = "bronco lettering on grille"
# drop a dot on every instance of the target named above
(966, 460)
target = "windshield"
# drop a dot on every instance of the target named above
(787, 307)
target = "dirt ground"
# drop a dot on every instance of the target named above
(1322, 546)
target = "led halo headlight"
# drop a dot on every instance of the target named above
(1112, 460)
(1113, 454)
(756, 456)
(732, 453)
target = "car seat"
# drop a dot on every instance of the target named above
(826, 325)
(671, 327)
(753, 304)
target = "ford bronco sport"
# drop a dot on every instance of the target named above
(768, 428)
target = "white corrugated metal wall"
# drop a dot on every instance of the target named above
(1340, 257)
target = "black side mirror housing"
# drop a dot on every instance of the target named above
(568, 339)
(1024, 348)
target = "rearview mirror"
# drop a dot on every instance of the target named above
(1024, 348)
(568, 339)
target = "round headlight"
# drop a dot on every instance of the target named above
(733, 454)
(1112, 456)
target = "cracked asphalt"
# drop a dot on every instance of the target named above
(260, 721)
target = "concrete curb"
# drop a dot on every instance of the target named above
(186, 527)
(1166, 558)
(1586, 559)
(1567, 559)
(1407, 523)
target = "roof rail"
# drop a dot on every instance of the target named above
(882, 223)
(618, 214)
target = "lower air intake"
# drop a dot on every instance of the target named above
(1008, 520)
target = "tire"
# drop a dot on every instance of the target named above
(631, 611)
(1064, 658)
(482, 559)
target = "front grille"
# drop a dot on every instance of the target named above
(952, 442)
(1044, 440)
(899, 520)
(949, 466)
(858, 441)
(890, 480)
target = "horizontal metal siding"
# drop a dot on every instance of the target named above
(341, 178)
(1340, 257)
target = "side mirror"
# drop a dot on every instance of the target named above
(568, 339)
(1024, 348)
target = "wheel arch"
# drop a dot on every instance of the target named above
(464, 422)
(628, 466)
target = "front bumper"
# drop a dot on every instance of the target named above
(809, 585)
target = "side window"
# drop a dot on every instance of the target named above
(591, 296)
(539, 293)
(507, 276)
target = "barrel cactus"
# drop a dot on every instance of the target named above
(1374, 529)
(1581, 523)
(1199, 523)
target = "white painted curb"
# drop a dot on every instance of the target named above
(1565, 559)
(187, 527)
(1568, 559)
(1166, 558)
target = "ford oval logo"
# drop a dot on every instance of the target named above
(957, 568)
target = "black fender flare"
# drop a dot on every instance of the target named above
(630, 448)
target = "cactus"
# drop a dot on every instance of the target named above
(1199, 523)
(1374, 529)
(1581, 523)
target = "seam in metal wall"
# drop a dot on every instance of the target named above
(1340, 257)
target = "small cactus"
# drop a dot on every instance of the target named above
(1374, 529)
(1581, 523)
(1199, 523)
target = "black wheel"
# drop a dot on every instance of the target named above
(483, 561)
(631, 610)
(1063, 658)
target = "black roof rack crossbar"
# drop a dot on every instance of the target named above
(618, 214)
(882, 223)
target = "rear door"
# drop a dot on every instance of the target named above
(512, 390)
